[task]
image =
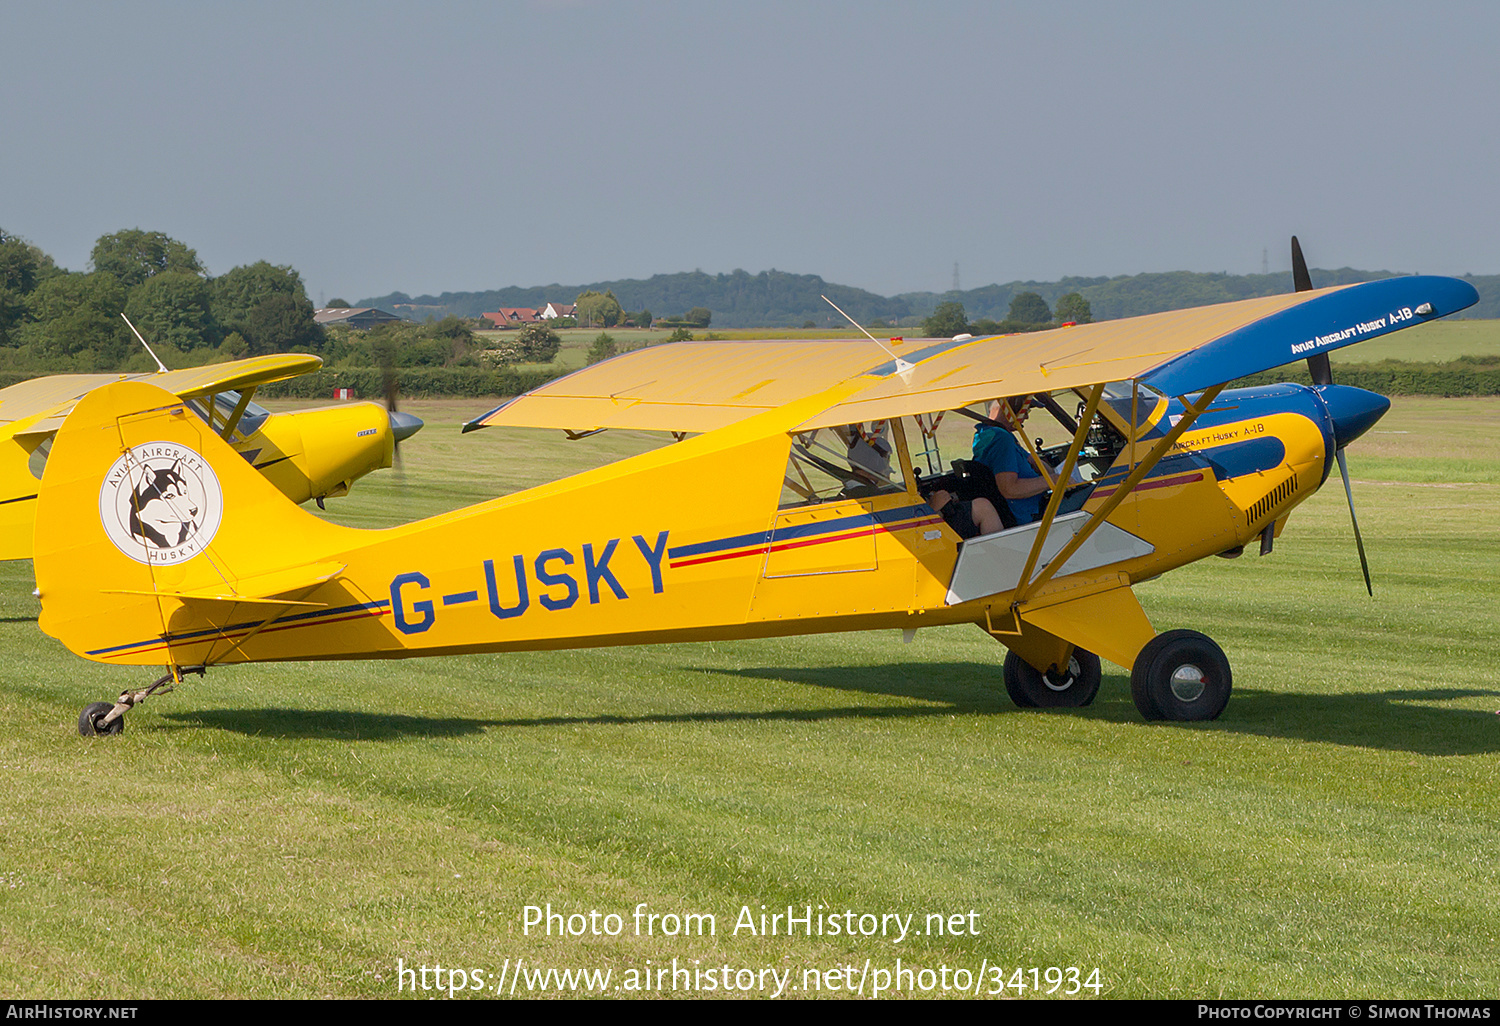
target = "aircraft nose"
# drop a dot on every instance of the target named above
(404, 425)
(1354, 411)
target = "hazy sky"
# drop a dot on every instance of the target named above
(472, 145)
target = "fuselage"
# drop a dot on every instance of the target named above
(700, 540)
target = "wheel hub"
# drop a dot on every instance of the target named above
(1064, 682)
(1188, 683)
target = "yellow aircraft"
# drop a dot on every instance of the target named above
(792, 503)
(307, 454)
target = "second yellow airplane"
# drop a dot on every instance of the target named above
(307, 454)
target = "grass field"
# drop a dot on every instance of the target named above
(1437, 342)
(576, 342)
(297, 830)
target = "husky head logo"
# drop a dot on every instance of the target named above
(162, 512)
(160, 503)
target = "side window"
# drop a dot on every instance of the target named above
(847, 462)
(922, 437)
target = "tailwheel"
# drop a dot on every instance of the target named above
(92, 722)
(1070, 688)
(101, 719)
(1181, 675)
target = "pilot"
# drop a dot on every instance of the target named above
(1016, 477)
(1022, 485)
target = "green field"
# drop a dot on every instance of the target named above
(297, 830)
(1437, 342)
(577, 341)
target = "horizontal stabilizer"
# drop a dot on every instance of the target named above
(263, 589)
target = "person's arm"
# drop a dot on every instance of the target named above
(1008, 458)
(1013, 486)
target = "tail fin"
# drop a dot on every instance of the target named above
(153, 537)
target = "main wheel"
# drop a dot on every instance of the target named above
(89, 724)
(1181, 675)
(1030, 688)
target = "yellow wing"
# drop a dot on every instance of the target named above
(694, 386)
(45, 402)
(699, 386)
(1044, 361)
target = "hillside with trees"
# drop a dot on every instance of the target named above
(56, 320)
(770, 299)
(776, 299)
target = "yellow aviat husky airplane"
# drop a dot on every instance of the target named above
(307, 454)
(795, 506)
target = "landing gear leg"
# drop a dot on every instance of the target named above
(100, 719)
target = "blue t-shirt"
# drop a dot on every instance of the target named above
(998, 449)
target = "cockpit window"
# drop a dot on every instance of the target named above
(847, 462)
(1127, 405)
(224, 404)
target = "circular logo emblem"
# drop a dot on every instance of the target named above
(161, 503)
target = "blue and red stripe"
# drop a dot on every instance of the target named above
(860, 525)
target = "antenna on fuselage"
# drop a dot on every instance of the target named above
(161, 367)
(902, 366)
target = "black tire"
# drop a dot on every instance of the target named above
(88, 720)
(1030, 688)
(1013, 687)
(1182, 676)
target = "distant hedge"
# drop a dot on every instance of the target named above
(1466, 377)
(414, 383)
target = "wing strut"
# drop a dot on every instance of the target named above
(1136, 475)
(1036, 457)
(234, 418)
(1064, 474)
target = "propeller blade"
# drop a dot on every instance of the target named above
(1317, 364)
(1364, 564)
(1301, 280)
(390, 387)
(1320, 369)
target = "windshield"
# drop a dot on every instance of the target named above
(224, 405)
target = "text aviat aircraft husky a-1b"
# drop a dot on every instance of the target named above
(777, 512)
(306, 454)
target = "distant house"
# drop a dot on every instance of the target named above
(552, 310)
(511, 316)
(353, 316)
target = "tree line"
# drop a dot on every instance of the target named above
(1028, 312)
(59, 320)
